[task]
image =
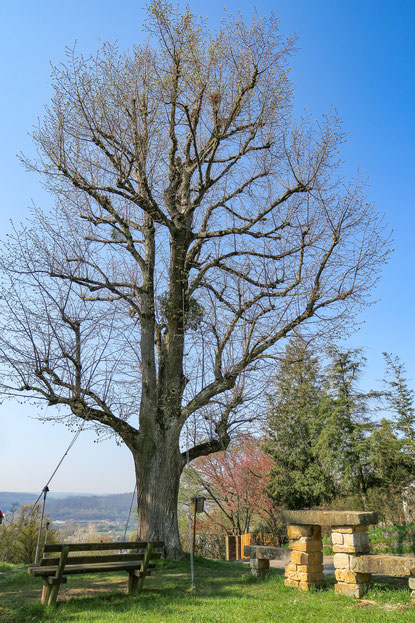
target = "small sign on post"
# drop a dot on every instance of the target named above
(197, 504)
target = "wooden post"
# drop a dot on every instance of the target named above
(238, 552)
(132, 582)
(45, 492)
(45, 591)
(58, 577)
(230, 542)
(144, 566)
(245, 540)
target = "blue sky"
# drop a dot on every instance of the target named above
(356, 56)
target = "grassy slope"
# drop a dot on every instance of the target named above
(225, 594)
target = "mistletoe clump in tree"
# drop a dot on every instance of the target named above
(197, 224)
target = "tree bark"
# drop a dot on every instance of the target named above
(158, 466)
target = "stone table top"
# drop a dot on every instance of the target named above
(328, 518)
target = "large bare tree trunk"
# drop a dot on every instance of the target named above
(158, 466)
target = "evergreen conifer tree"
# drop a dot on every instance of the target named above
(299, 478)
(345, 442)
(400, 399)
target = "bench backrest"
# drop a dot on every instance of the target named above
(136, 552)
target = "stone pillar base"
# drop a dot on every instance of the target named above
(303, 585)
(351, 590)
(259, 567)
(411, 583)
(348, 543)
(305, 569)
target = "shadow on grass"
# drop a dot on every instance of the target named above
(168, 589)
(165, 594)
(386, 583)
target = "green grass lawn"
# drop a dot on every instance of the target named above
(225, 593)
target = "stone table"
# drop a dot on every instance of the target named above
(349, 538)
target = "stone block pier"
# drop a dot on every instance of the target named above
(350, 540)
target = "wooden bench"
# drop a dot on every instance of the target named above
(62, 559)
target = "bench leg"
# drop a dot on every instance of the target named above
(53, 594)
(141, 582)
(144, 566)
(45, 591)
(132, 583)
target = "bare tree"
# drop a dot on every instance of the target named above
(197, 225)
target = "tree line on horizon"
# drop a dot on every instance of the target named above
(64, 507)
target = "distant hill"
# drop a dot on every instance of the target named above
(74, 506)
(8, 498)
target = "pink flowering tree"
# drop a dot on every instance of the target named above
(236, 480)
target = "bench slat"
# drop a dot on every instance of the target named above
(86, 547)
(81, 560)
(94, 568)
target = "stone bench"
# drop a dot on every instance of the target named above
(385, 564)
(350, 540)
(260, 555)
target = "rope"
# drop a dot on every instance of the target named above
(32, 508)
(129, 513)
(78, 432)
